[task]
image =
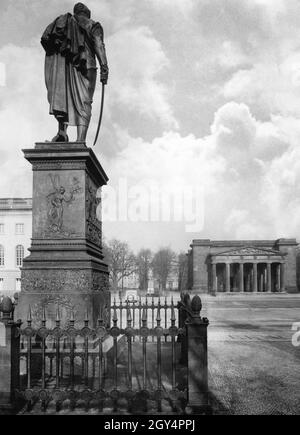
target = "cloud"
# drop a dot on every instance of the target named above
(246, 168)
(271, 87)
(136, 60)
(183, 6)
(23, 115)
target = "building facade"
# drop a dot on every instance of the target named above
(264, 266)
(15, 235)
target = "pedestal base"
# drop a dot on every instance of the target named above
(85, 292)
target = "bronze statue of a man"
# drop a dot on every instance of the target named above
(72, 43)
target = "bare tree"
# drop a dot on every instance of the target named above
(143, 261)
(162, 265)
(182, 271)
(121, 261)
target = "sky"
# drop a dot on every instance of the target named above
(201, 129)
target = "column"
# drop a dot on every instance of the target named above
(242, 278)
(282, 277)
(255, 289)
(214, 278)
(269, 278)
(261, 282)
(227, 277)
(278, 280)
(235, 281)
(248, 281)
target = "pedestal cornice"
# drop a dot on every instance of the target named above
(61, 156)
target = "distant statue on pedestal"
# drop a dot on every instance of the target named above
(72, 43)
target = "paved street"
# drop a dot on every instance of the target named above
(253, 366)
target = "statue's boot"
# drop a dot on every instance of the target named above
(60, 137)
(62, 133)
(82, 133)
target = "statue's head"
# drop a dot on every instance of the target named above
(81, 9)
(62, 190)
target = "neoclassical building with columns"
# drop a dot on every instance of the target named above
(244, 266)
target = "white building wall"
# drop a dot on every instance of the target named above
(9, 239)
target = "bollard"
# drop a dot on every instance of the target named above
(196, 331)
(9, 356)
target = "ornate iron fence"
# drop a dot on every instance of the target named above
(165, 306)
(135, 359)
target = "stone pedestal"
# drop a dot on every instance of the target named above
(65, 266)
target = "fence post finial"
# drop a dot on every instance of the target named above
(57, 316)
(29, 316)
(144, 317)
(86, 319)
(7, 308)
(115, 316)
(196, 306)
(72, 317)
(129, 317)
(44, 319)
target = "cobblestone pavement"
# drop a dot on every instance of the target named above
(253, 366)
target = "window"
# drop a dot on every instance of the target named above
(18, 284)
(19, 255)
(19, 228)
(1, 255)
(1, 228)
(1, 284)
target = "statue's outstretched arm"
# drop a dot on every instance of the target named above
(100, 51)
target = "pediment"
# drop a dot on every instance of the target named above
(249, 251)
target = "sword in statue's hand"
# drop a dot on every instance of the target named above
(101, 113)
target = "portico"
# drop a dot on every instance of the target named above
(247, 270)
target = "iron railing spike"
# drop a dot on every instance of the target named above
(173, 317)
(115, 316)
(158, 317)
(57, 314)
(29, 316)
(144, 316)
(100, 318)
(129, 317)
(72, 316)
(44, 315)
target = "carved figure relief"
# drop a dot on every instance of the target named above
(250, 251)
(94, 225)
(56, 201)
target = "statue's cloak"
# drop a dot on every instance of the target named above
(68, 76)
